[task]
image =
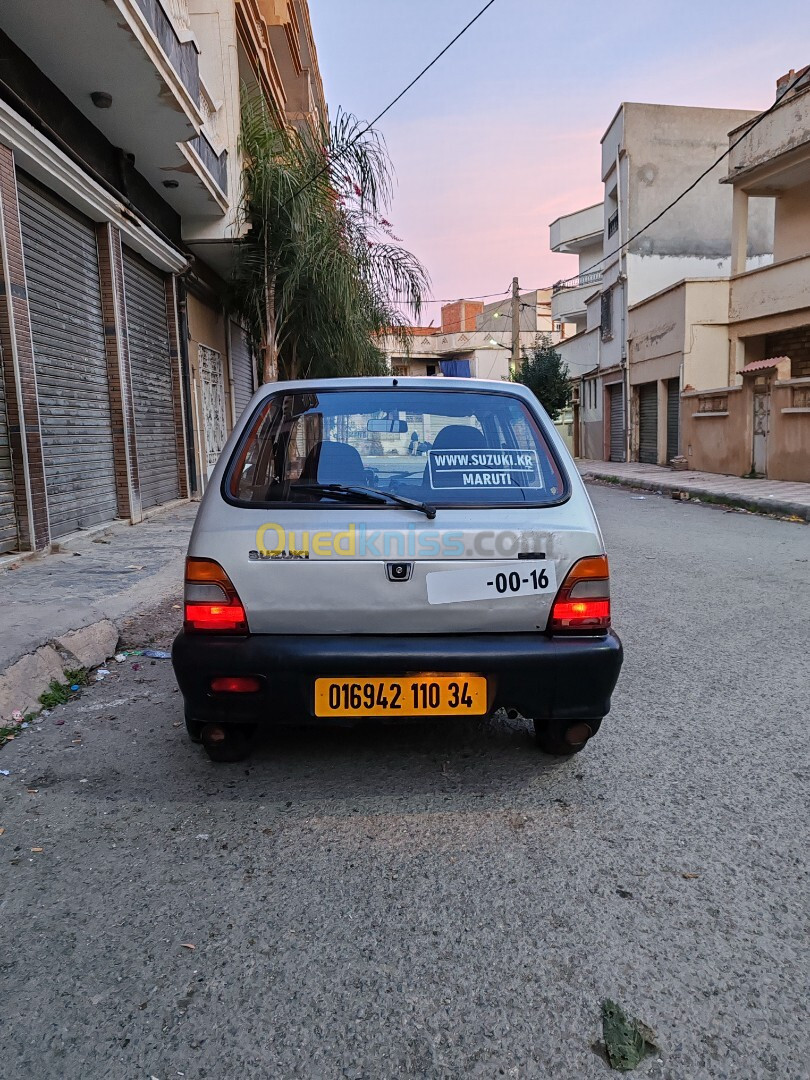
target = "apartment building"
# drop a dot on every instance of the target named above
(650, 155)
(753, 415)
(119, 188)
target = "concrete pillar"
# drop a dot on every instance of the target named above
(17, 344)
(175, 352)
(119, 375)
(739, 231)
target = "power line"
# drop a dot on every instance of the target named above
(391, 104)
(695, 182)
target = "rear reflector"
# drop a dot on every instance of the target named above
(583, 602)
(236, 684)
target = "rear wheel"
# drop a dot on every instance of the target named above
(562, 738)
(228, 742)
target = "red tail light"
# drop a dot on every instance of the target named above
(212, 603)
(583, 601)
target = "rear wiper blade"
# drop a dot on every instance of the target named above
(371, 494)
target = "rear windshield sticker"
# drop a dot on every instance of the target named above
(484, 468)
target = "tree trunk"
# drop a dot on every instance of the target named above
(269, 349)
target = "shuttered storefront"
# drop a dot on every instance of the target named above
(241, 368)
(152, 389)
(8, 519)
(673, 417)
(648, 423)
(616, 403)
(67, 325)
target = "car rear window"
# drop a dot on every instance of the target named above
(448, 448)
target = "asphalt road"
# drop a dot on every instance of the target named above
(417, 903)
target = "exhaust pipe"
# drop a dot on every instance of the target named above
(578, 734)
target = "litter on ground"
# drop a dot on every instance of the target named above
(627, 1040)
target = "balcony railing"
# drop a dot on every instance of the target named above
(182, 54)
(217, 164)
(592, 278)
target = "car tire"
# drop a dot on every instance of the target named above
(194, 729)
(236, 745)
(550, 736)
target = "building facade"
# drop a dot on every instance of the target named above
(473, 340)
(756, 419)
(650, 154)
(119, 188)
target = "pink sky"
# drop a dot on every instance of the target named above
(488, 153)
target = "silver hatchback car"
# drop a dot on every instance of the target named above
(370, 549)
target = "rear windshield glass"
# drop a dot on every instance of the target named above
(446, 448)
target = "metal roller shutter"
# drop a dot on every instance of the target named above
(67, 326)
(673, 417)
(616, 400)
(241, 368)
(152, 389)
(8, 518)
(648, 423)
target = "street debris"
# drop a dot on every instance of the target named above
(2, 830)
(5, 772)
(38, 850)
(627, 1040)
(120, 657)
(187, 945)
(690, 877)
(17, 716)
(157, 654)
(640, 497)
(101, 674)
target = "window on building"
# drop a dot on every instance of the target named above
(607, 314)
(430, 369)
(399, 367)
(613, 223)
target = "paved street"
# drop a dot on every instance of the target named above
(441, 904)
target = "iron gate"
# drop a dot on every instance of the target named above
(648, 423)
(616, 412)
(152, 382)
(67, 326)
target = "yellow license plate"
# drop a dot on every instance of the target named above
(414, 695)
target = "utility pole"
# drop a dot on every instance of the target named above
(515, 365)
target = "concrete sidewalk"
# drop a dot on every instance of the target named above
(63, 610)
(762, 496)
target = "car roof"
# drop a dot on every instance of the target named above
(402, 382)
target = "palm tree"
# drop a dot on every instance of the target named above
(319, 275)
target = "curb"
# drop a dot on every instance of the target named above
(22, 682)
(743, 502)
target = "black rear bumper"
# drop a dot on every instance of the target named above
(542, 677)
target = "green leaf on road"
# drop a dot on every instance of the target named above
(627, 1041)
